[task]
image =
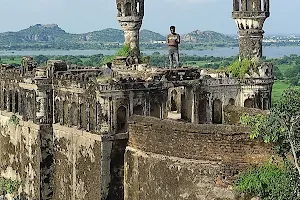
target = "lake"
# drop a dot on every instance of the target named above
(270, 52)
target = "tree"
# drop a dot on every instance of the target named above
(281, 127)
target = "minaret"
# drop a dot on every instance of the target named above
(130, 16)
(250, 16)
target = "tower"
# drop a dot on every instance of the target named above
(130, 17)
(250, 16)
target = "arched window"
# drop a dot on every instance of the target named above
(217, 112)
(231, 102)
(138, 110)
(119, 8)
(128, 10)
(121, 120)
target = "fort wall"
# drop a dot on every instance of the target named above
(77, 162)
(172, 160)
(20, 153)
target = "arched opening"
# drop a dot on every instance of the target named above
(236, 5)
(16, 102)
(121, 119)
(174, 106)
(65, 113)
(217, 112)
(82, 116)
(10, 108)
(56, 111)
(266, 104)
(128, 9)
(231, 102)
(73, 115)
(249, 103)
(92, 118)
(155, 110)
(202, 111)
(4, 100)
(138, 110)
(119, 8)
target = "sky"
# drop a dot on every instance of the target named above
(80, 16)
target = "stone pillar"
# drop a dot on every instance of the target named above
(249, 19)
(130, 17)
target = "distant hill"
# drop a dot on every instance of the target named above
(207, 37)
(52, 36)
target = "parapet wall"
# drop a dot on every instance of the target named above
(172, 160)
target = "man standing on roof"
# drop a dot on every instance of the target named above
(173, 41)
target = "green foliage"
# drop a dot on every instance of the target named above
(8, 186)
(277, 126)
(124, 51)
(256, 123)
(270, 182)
(14, 120)
(145, 59)
(240, 68)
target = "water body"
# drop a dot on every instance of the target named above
(270, 52)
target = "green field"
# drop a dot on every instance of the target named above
(278, 88)
(283, 68)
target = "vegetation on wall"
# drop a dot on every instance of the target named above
(240, 68)
(14, 120)
(8, 186)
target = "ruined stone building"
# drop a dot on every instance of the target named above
(67, 133)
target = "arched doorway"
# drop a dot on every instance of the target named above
(121, 120)
(138, 110)
(155, 110)
(202, 111)
(249, 103)
(217, 112)
(173, 103)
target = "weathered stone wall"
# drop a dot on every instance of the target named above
(171, 160)
(20, 154)
(77, 164)
(232, 114)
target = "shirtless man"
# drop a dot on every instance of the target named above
(173, 41)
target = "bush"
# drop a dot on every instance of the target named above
(270, 182)
(240, 68)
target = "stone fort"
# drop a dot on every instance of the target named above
(138, 132)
